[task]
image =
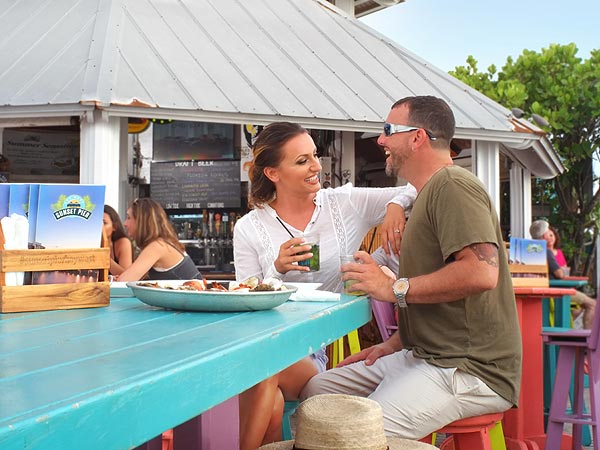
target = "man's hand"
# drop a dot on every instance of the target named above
(369, 355)
(369, 277)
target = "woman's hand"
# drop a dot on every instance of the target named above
(392, 228)
(290, 253)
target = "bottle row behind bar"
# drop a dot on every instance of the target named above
(208, 238)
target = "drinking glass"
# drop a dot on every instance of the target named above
(314, 262)
(344, 259)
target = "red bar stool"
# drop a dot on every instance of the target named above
(473, 433)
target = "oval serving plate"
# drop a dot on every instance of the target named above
(208, 301)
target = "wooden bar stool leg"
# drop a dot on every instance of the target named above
(594, 384)
(286, 427)
(337, 351)
(560, 397)
(353, 342)
(577, 397)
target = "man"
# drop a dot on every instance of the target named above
(540, 229)
(458, 350)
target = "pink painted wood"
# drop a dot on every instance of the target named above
(215, 429)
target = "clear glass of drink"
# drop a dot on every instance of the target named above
(344, 259)
(314, 262)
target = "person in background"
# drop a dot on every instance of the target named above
(457, 352)
(162, 256)
(288, 199)
(121, 248)
(540, 229)
(553, 242)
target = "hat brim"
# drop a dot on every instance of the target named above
(393, 443)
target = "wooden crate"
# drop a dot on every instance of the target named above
(529, 275)
(45, 297)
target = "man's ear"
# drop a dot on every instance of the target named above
(271, 173)
(419, 138)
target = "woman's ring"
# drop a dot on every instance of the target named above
(396, 231)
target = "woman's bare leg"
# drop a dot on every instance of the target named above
(256, 411)
(261, 406)
(293, 379)
(273, 433)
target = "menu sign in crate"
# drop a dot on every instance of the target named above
(196, 184)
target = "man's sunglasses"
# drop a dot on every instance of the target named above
(392, 128)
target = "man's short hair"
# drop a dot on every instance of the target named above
(431, 113)
(538, 228)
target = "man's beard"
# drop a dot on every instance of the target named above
(393, 164)
(389, 170)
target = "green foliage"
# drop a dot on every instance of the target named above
(565, 89)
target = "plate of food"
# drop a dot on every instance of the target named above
(200, 295)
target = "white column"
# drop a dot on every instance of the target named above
(125, 191)
(345, 5)
(348, 160)
(520, 201)
(99, 153)
(486, 165)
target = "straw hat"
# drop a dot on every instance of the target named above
(342, 422)
(538, 228)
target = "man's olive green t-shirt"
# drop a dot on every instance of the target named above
(478, 334)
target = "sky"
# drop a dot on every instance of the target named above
(445, 32)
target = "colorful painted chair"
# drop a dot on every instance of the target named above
(574, 347)
(385, 318)
(337, 351)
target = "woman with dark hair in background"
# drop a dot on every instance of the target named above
(121, 249)
(554, 245)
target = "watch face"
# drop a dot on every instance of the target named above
(401, 286)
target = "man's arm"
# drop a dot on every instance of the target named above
(473, 270)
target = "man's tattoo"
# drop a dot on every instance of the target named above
(486, 252)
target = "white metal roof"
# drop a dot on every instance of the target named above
(233, 61)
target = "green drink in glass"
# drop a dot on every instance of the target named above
(314, 262)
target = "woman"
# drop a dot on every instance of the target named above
(553, 241)
(162, 256)
(288, 199)
(121, 250)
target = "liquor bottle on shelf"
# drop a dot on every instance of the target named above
(217, 217)
(204, 223)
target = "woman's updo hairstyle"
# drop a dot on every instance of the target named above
(267, 153)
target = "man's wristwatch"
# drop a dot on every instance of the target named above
(400, 288)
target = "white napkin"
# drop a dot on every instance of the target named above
(120, 289)
(16, 232)
(305, 295)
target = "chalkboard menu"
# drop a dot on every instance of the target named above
(196, 184)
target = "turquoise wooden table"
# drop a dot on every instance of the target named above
(113, 378)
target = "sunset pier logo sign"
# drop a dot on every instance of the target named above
(73, 206)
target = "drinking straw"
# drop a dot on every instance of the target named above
(283, 225)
